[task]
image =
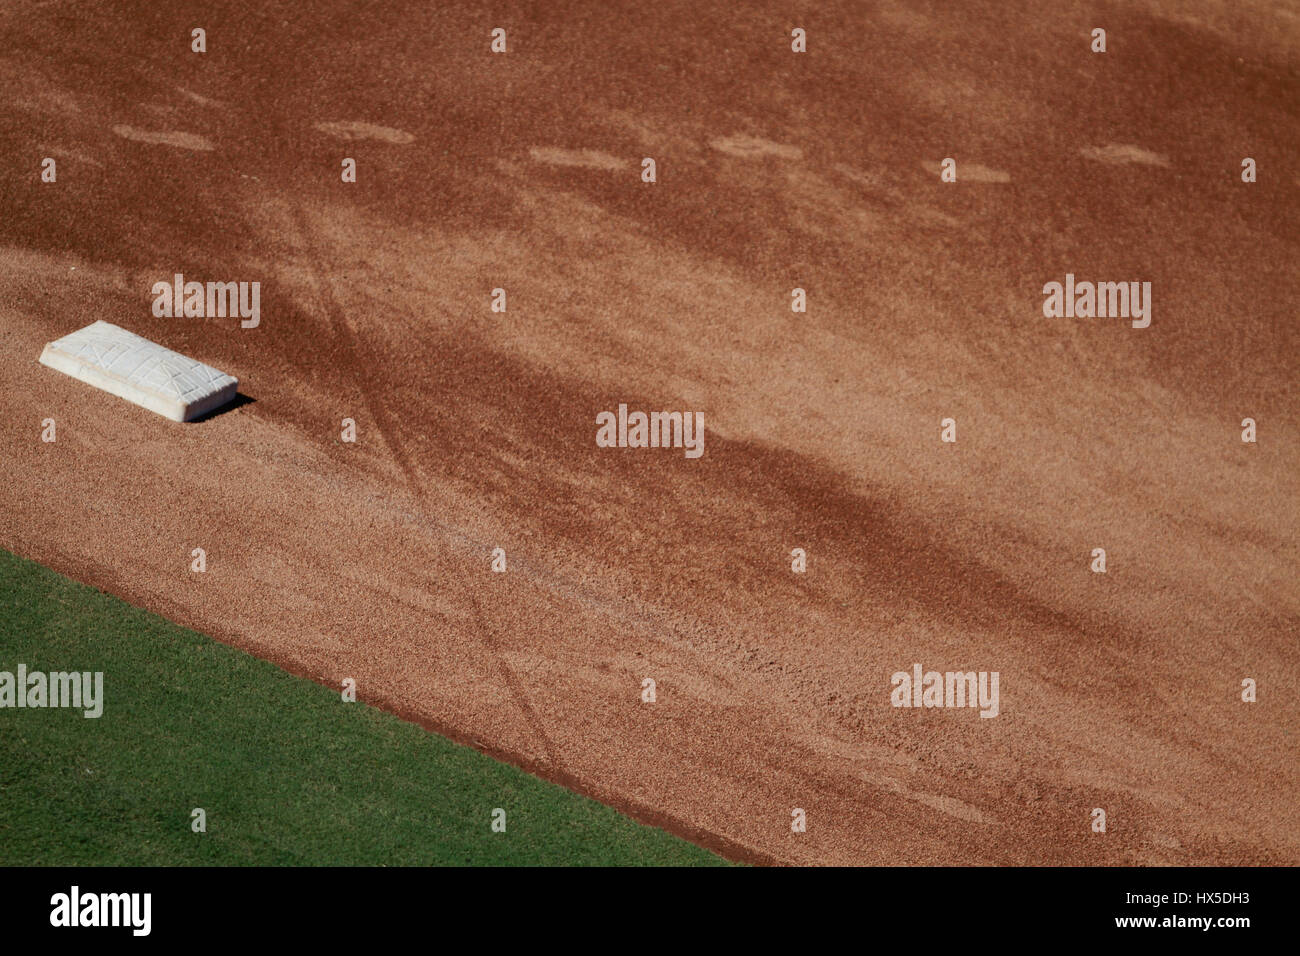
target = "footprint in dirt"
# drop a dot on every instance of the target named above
(356, 130)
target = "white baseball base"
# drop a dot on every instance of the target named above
(143, 372)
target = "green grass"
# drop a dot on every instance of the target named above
(287, 773)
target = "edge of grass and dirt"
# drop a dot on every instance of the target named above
(286, 772)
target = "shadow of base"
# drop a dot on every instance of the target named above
(239, 401)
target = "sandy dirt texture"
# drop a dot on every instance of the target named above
(477, 430)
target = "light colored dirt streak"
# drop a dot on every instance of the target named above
(477, 430)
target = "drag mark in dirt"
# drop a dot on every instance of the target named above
(357, 351)
(360, 356)
(516, 690)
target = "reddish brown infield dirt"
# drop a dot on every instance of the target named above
(477, 430)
